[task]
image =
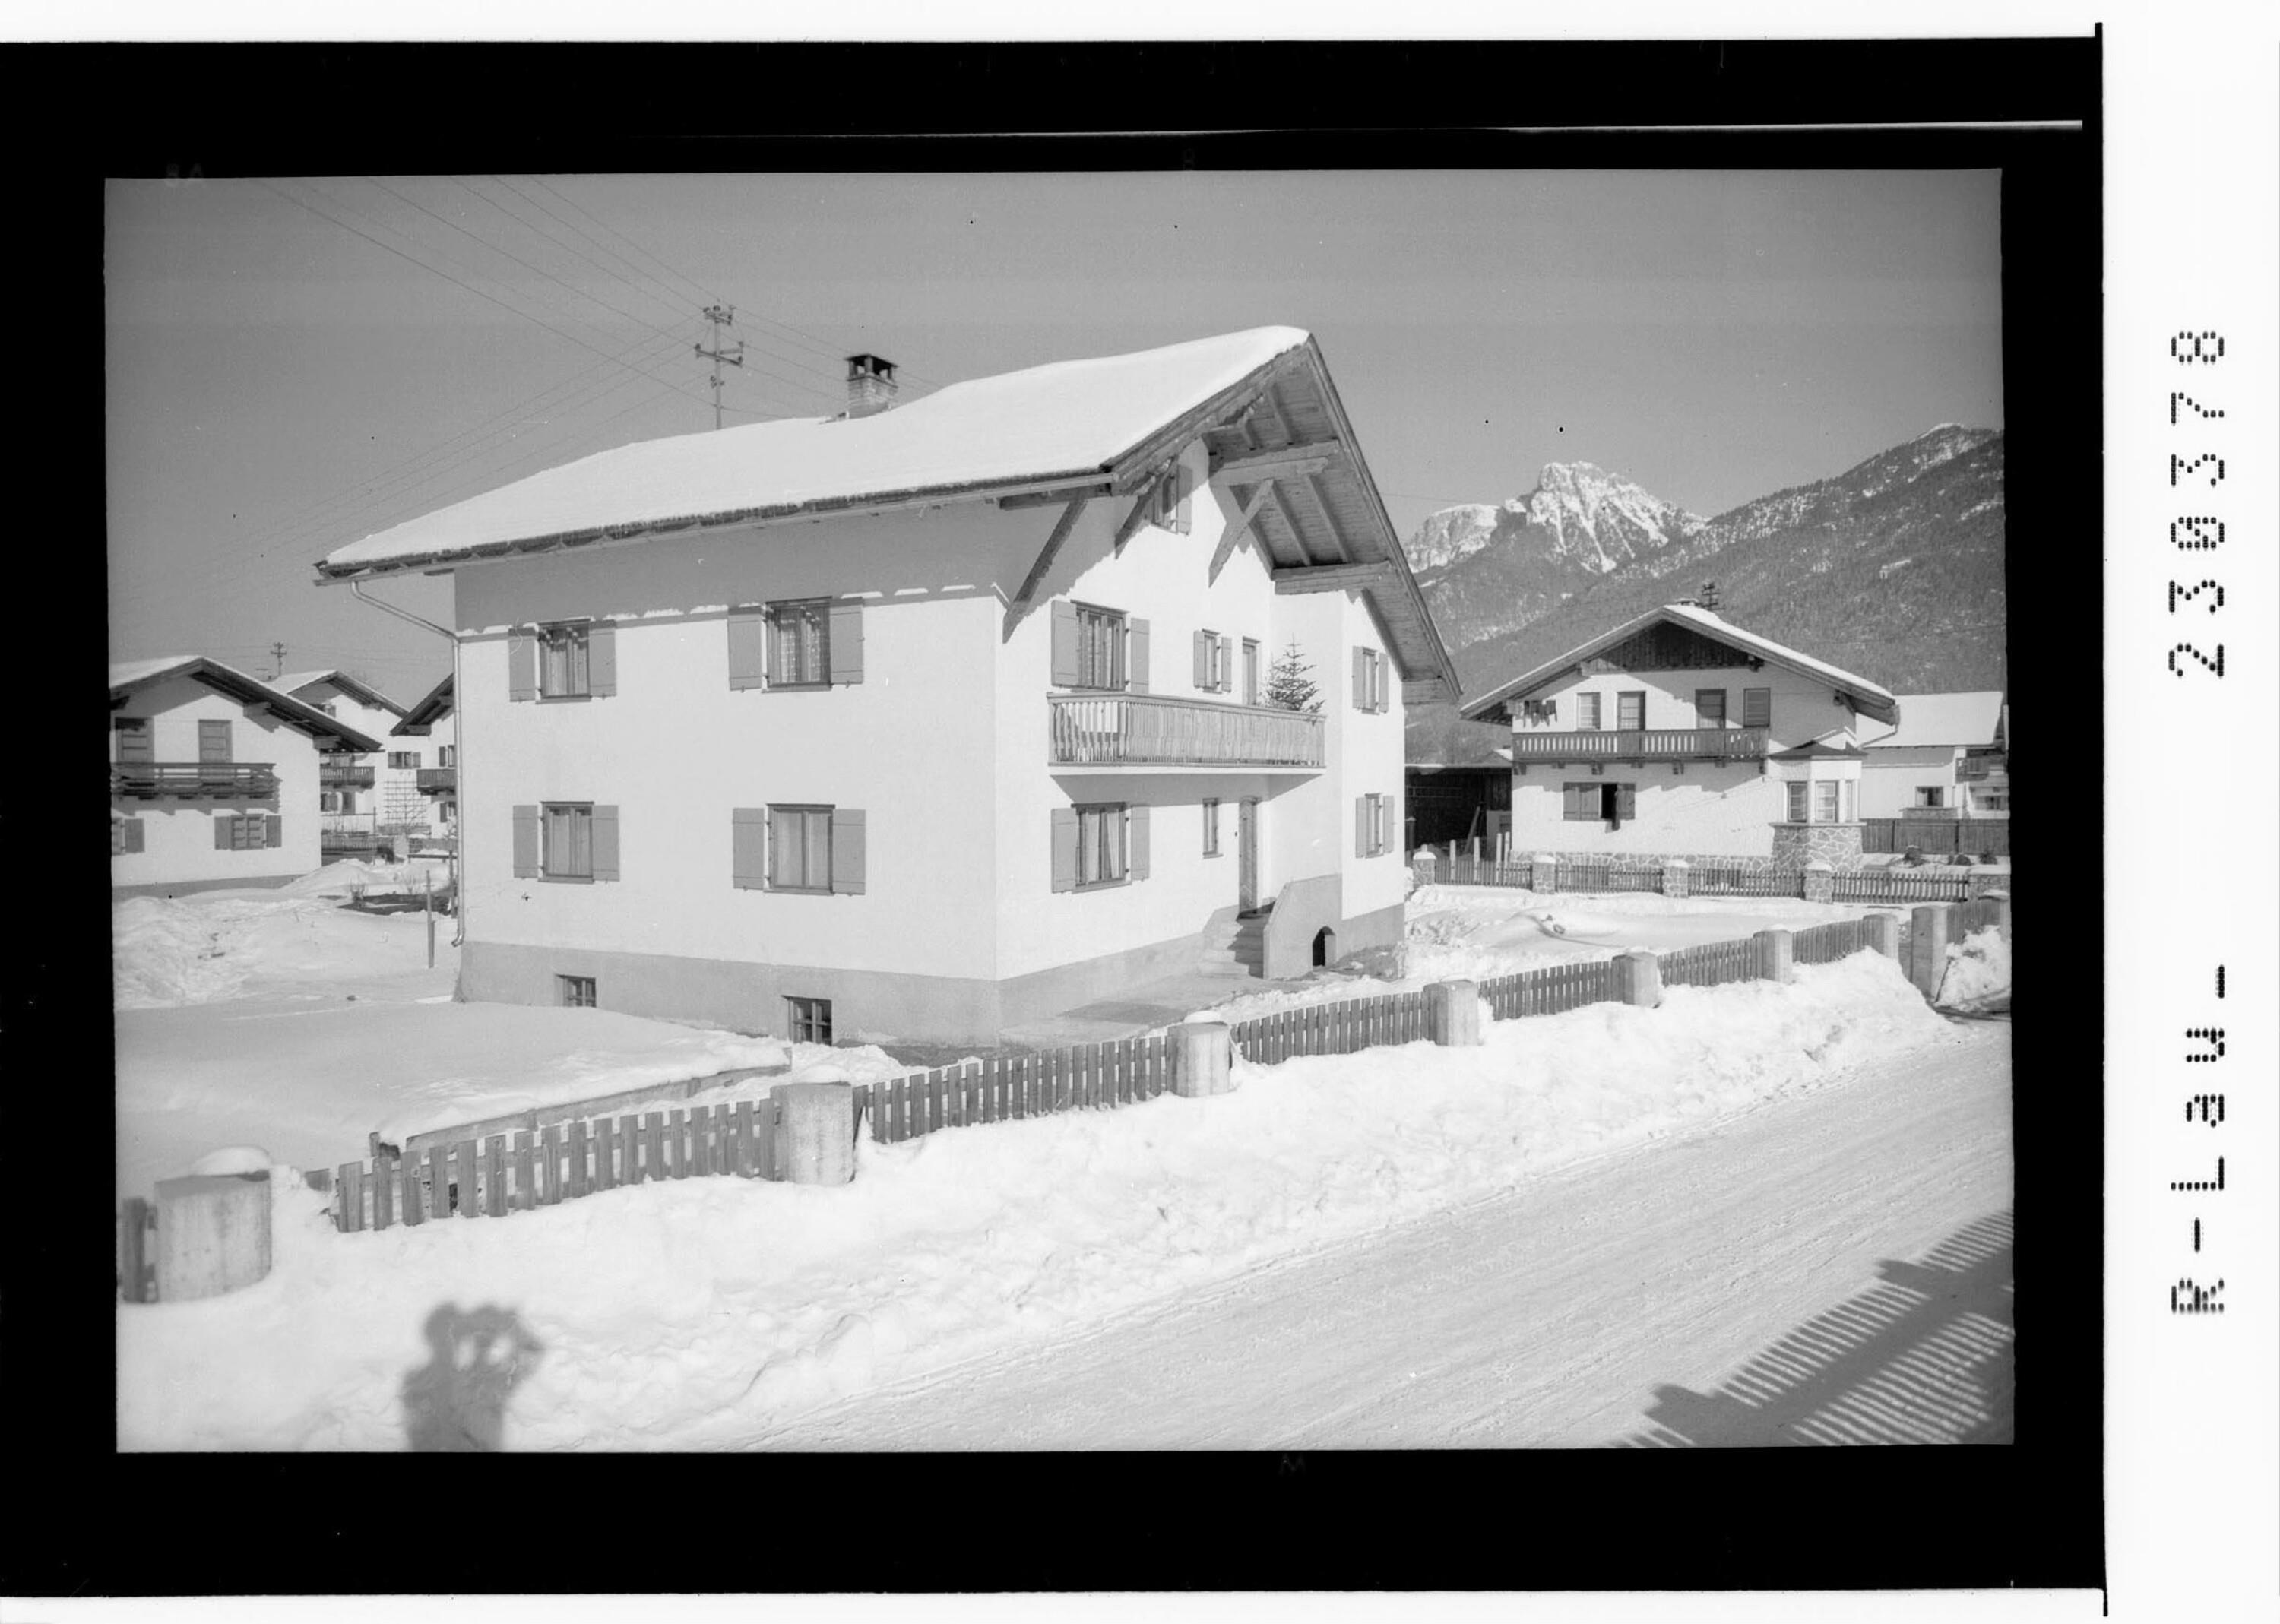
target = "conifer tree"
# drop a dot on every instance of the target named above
(1288, 684)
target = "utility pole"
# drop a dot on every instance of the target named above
(720, 316)
(277, 653)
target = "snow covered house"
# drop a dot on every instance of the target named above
(1948, 758)
(372, 795)
(434, 721)
(929, 718)
(214, 777)
(1678, 734)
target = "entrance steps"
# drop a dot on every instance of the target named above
(1234, 945)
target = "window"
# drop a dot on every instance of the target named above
(1100, 850)
(1992, 800)
(799, 643)
(1599, 802)
(808, 1021)
(247, 831)
(1168, 503)
(404, 757)
(799, 848)
(447, 755)
(1756, 707)
(1797, 803)
(133, 738)
(1211, 829)
(1215, 662)
(1848, 799)
(125, 836)
(576, 992)
(1709, 707)
(1369, 680)
(1824, 802)
(564, 665)
(1250, 671)
(328, 800)
(1369, 825)
(568, 853)
(1932, 795)
(1630, 710)
(1542, 710)
(1099, 648)
(213, 742)
(1587, 713)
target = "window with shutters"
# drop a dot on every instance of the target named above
(1100, 848)
(132, 737)
(1211, 662)
(1630, 710)
(1587, 713)
(213, 742)
(328, 800)
(799, 848)
(1369, 680)
(247, 831)
(566, 848)
(403, 759)
(1100, 647)
(565, 663)
(807, 1020)
(447, 755)
(799, 643)
(576, 992)
(1211, 829)
(1756, 707)
(1168, 503)
(1797, 803)
(1824, 802)
(1373, 825)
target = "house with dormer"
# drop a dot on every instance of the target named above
(214, 777)
(1679, 734)
(935, 716)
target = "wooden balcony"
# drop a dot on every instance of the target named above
(347, 775)
(1973, 768)
(152, 780)
(1641, 744)
(1113, 730)
(438, 780)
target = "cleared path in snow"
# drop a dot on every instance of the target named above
(1829, 1268)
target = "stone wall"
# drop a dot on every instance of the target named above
(1836, 845)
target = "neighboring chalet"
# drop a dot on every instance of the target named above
(214, 777)
(1949, 758)
(369, 797)
(926, 719)
(1678, 734)
(434, 720)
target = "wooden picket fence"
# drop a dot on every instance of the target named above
(1825, 944)
(1966, 917)
(1461, 870)
(1710, 964)
(1345, 1027)
(1724, 880)
(1551, 990)
(1888, 885)
(1011, 1087)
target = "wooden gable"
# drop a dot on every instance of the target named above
(1667, 646)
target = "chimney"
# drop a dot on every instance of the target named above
(870, 385)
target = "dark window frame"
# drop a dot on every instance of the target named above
(1096, 821)
(810, 814)
(1101, 629)
(576, 992)
(806, 623)
(572, 639)
(580, 815)
(807, 1020)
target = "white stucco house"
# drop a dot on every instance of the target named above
(928, 719)
(433, 726)
(1948, 758)
(214, 777)
(1678, 734)
(376, 794)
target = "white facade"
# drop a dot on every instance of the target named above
(1947, 758)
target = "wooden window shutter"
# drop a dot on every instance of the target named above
(521, 666)
(1361, 826)
(1135, 657)
(847, 852)
(1360, 679)
(1184, 486)
(749, 847)
(1065, 847)
(606, 842)
(845, 643)
(1203, 661)
(276, 830)
(1064, 643)
(133, 834)
(1625, 801)
(1756, 707)
(1227, 665)
(1136, 842)
(1571, 801)
(602, 661)
(748, 648)
(526, 842)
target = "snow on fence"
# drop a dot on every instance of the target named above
(1346, 1026)
(1723, 879)
(1886, 885)
(1712, 964)
(1825, 944)
(1551, 990)
(1965, 918)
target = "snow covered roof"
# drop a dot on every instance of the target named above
(1867, 697)
(293, 682)
(251, 692)
(1960, 719)
(1057, 422)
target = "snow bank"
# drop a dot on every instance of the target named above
(701, 1313)
(171, 951)
(1978, 974)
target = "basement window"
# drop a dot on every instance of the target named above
(808, 1021)
(576, 992)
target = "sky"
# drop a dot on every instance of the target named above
(294, 364)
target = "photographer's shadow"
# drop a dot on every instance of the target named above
(477, 1356)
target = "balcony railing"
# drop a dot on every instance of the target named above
(1642, 744)
(435, 780)
(148, 780)
(345, 775)
(1145, 730)
(1974, 767)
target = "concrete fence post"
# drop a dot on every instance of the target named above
(1202, 1059)
(1453, 1013)
(815, 1139)
(1542, 872)
(213, 1234)
(1928, 930)
(2002, 901)
(1820, 882)
(1638, 978)
(1776, 956)
(1673, 876)
(1884, 933)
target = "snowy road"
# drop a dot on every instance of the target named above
(1833, 1267)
